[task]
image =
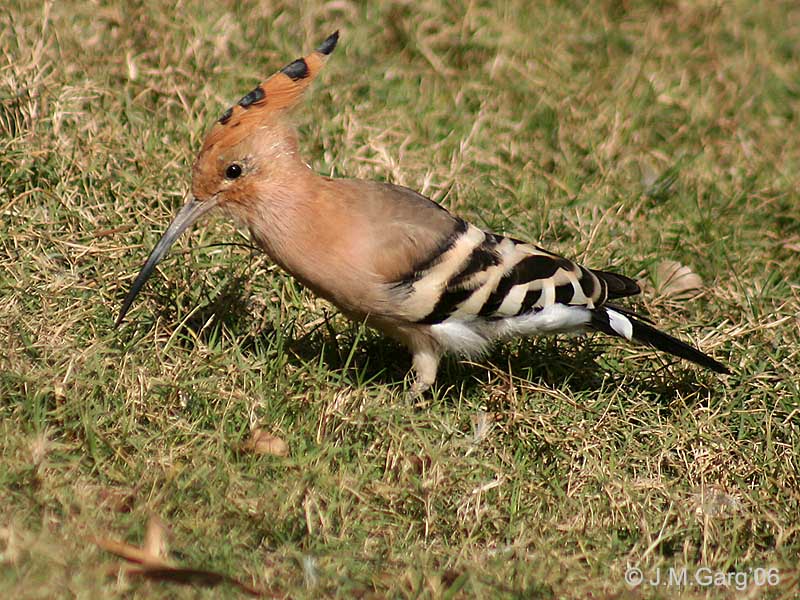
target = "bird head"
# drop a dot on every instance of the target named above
(251, 146)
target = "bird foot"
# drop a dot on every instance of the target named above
(415, 393)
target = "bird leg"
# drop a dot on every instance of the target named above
(424, 365)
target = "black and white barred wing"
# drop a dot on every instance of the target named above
(477, 275)
(480, 286)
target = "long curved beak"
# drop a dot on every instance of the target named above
(186, 217)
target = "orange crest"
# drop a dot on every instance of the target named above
(279, 92)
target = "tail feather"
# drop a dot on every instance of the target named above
(618, 286)
(626, 325)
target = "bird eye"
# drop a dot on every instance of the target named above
(233, 171)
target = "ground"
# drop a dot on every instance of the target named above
(621, 133)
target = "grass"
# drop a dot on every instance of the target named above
(619, 133)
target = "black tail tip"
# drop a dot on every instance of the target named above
(329, 44)
(622, 323)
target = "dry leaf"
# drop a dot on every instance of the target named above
(155, 538)
(263, 442)
(153, 562)
(129, 552)
(153, 553)
(676, 281)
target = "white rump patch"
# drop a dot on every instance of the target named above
(620, 323)
(473, 337)
(462, 337)
(556, 318)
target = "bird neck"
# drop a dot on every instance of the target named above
(302, 221)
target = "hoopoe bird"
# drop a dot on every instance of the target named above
(386, 255)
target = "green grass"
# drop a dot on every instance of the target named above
(622, 134)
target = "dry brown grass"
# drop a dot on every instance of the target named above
(621, 133)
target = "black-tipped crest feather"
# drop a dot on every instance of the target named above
(329, 44)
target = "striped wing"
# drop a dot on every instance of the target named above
(483, 275)
(478, 286)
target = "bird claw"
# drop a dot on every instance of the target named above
(415, 393)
